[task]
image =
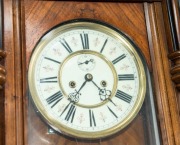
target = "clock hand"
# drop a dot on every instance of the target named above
(82, 63)
(74, 97)
(103, 93)
(96, 85)
(86, 62)
(111, 101)
(82, 86)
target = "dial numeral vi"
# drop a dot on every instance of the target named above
(92, 118)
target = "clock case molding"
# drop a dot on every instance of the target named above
(162, 26)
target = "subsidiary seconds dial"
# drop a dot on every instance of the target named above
(86, 79)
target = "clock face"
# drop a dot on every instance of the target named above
(86, 79)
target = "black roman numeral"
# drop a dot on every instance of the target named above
(66, 45)
(85, 40)
(55, 98)
(118, 58)
(70, 114)
(65, 108)
(92, 118)
(123, 96)
(49, 80)
(126, 77)
(103, 46)
(112, 112)
(52, 60)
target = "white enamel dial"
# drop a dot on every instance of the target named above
(86, 79)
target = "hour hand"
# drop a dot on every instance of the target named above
(81, 63)
(86, 62)
(105, 95)
(74, 97)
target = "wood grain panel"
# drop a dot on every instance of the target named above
(42, 16)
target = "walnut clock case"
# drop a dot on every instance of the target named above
(56, 93)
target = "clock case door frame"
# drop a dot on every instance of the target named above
(15, 89)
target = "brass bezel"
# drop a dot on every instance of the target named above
(119, 37)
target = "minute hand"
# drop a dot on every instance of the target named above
(96, 85)
(103, 93)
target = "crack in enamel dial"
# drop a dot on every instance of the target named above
(86, 79)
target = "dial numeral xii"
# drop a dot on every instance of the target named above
(85, 40)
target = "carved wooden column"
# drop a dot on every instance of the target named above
(175, 70)
(2, 69)
(174, 41)
(2, 53)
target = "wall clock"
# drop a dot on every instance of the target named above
(32, 110)
(87, 79)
